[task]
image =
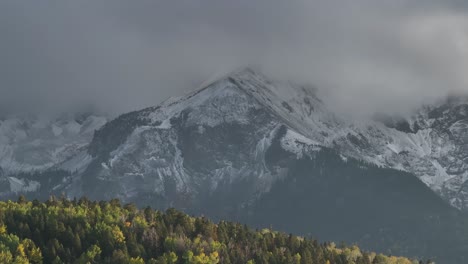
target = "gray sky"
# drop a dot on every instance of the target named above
(125, 55)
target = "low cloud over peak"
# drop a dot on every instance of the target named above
(363, 55)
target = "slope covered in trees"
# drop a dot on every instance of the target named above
(82, 231)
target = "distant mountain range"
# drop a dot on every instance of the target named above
(264, 152)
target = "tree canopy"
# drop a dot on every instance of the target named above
(84, 231)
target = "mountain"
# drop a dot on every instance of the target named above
(34, 143)
(177, 137)
(265, 152)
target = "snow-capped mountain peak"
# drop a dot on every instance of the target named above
(226, 131)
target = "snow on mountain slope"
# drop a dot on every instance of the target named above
(436, 150)
(36, 143)
(433, 147)
(222, 133)
(196, 144)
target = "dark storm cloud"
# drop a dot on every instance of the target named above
(124, 55)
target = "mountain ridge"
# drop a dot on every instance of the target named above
(245, 146)
(409, 144)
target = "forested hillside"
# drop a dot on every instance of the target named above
(83, 231)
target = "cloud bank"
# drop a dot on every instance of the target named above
(120, 55)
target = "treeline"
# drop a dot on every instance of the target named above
(83, 231)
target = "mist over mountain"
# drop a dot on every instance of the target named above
(365, 55)
(246, 147)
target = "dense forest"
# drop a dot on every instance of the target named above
(84, 231)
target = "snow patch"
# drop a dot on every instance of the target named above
(104, 166)
(20, 185)
(343, 158)
(393, 148)
(77, 163)
(298, 144)
(166, 124)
